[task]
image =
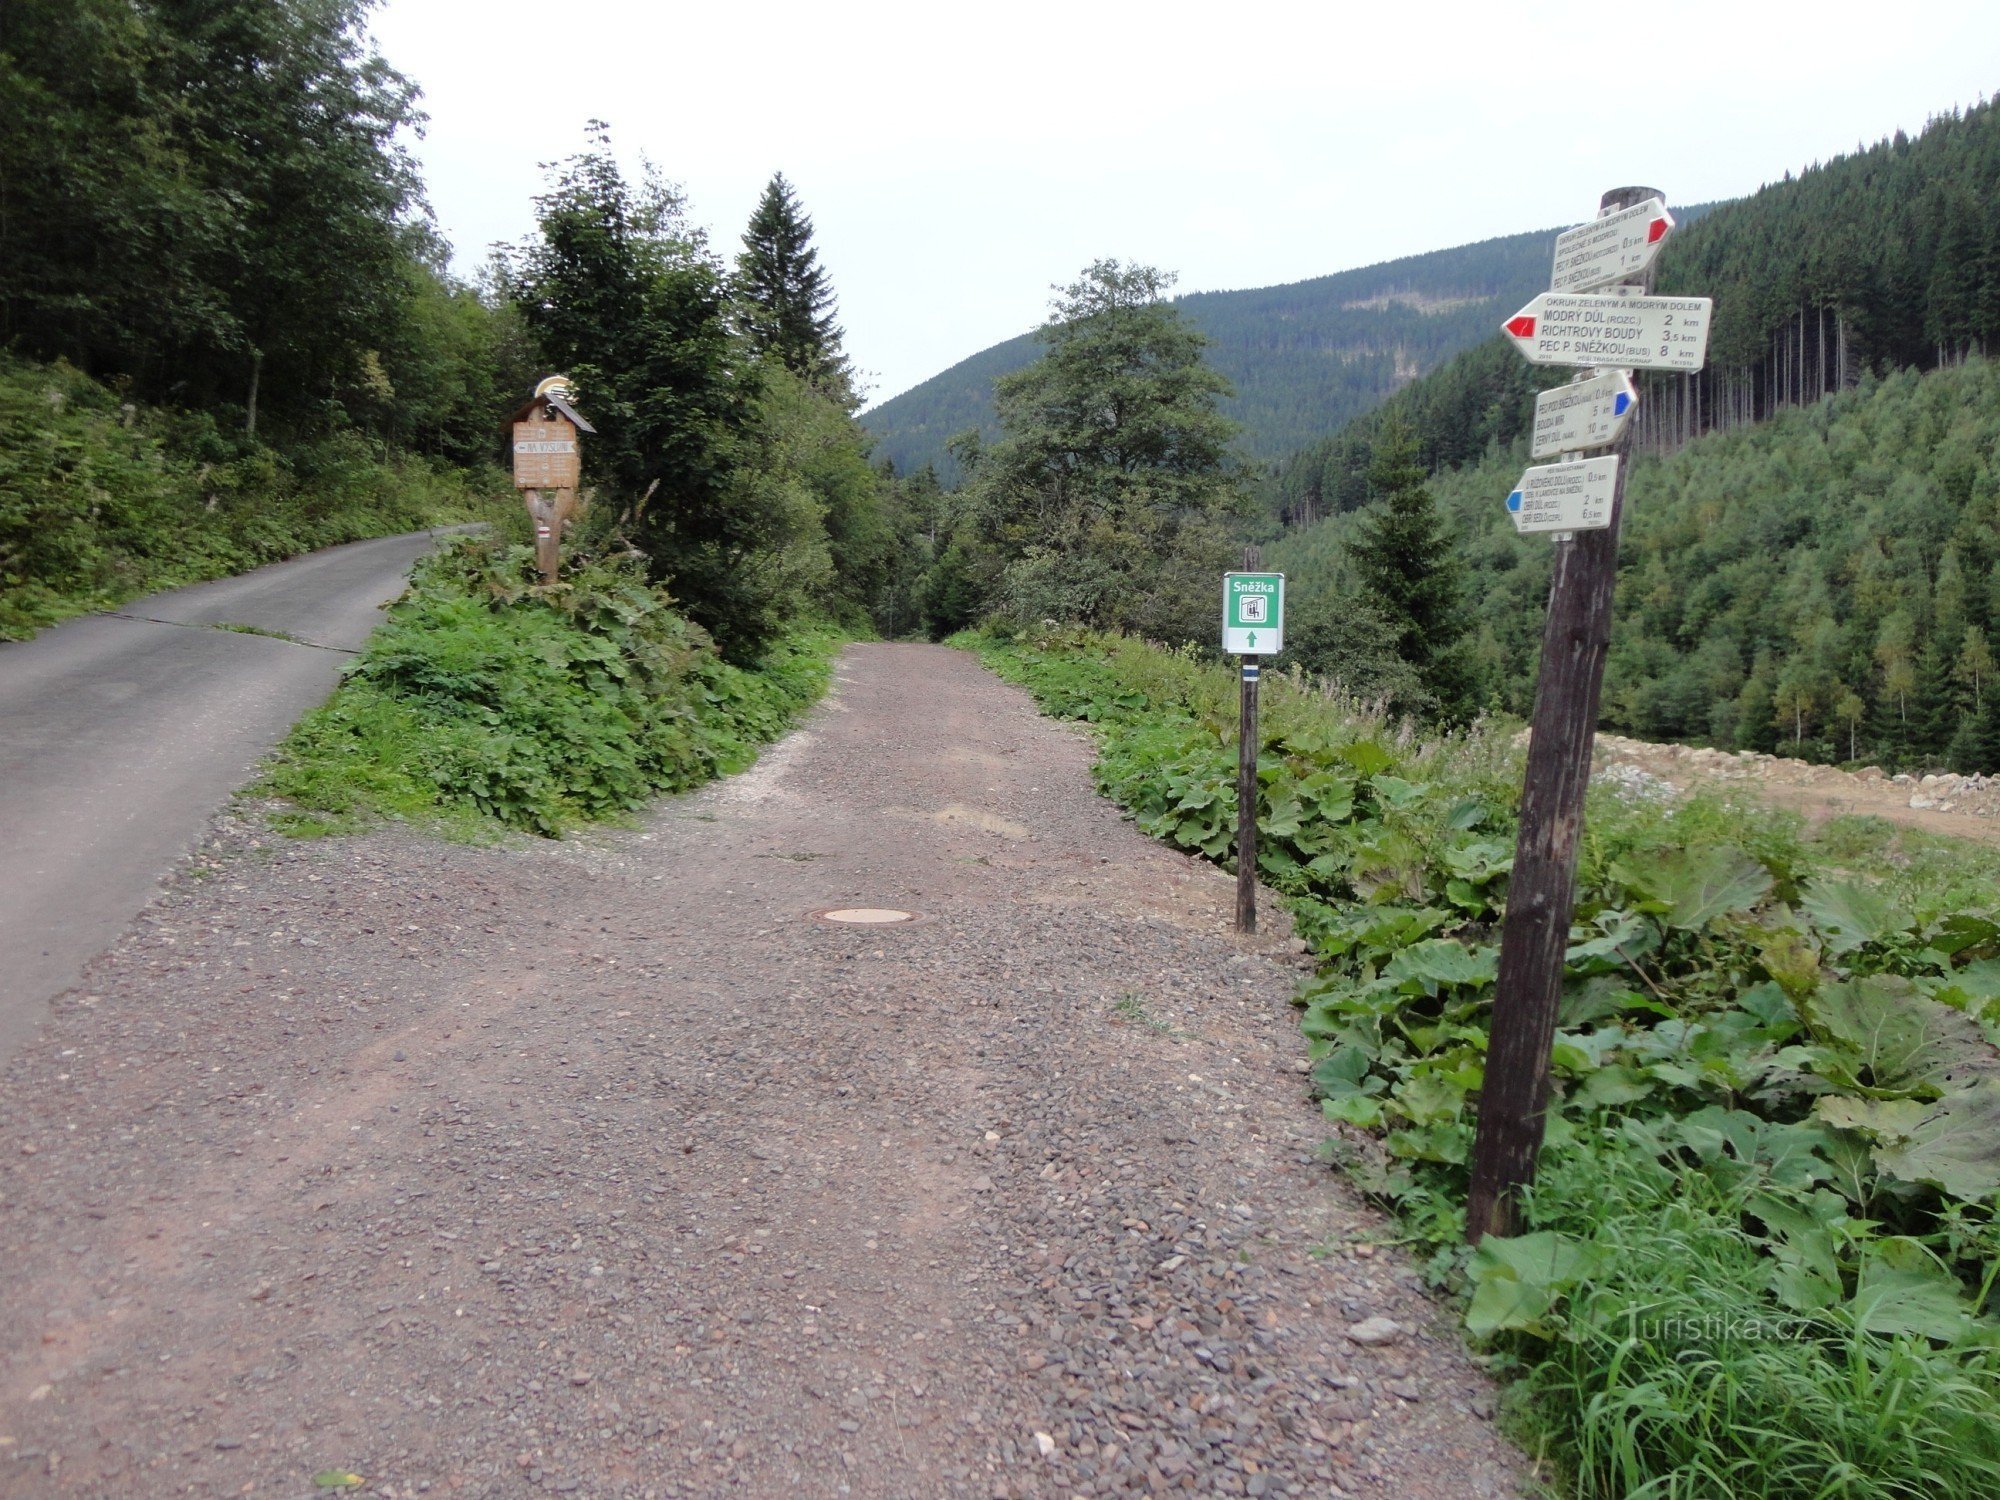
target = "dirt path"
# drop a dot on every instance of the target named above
(601, 1169)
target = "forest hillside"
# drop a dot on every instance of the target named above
(1301, 358)
(1809, 557)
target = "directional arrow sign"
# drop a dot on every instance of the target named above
(1635, 333)
(1253, 613)
(1584, 414)
(1565, 497)
(1612, 248)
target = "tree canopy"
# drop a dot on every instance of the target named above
(1103, 499)
(787, 303)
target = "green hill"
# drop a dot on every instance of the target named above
(1304, 358)
(1800, 570)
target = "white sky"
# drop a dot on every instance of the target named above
(957, 160)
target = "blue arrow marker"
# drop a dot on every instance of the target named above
(1514, 501)
(1619, 405)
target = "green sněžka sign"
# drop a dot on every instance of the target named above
(1253, 614)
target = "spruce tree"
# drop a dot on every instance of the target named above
(786, 302)
(1409, 573)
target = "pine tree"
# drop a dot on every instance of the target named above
(1409, 572)
(786, 303)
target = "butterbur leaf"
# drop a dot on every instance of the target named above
(1955, 1146)
(1965, 930)
(1517, 1281)
(1883, 1119)
(1850, 914)
(1612, 1086)
(1896, 1300)
(1698, 888)
(1441, 961)
(1345, 1071)
(1467, 814)
(1901, 1039)
(1394, 792)
(1366, 756)
(1789, 958)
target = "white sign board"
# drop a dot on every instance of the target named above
(1613, 248)
(1583, 414)
(1565, 497)
(1253, 614)
(1633, 333)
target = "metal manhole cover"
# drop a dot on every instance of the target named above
(866, 916)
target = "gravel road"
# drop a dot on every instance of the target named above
(604, 1169)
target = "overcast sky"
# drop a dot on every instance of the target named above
(957, 160)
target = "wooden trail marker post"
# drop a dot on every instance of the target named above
(1253, 625)
(548, 465)
(1610, 322)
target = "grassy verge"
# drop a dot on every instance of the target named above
(1761, 1255)
(489, 701)
(101, 502)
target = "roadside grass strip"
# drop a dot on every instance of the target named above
(487, 701)
(1761, 1254)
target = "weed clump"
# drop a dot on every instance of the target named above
(489, 698)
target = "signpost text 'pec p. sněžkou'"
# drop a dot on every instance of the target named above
(1597, 314)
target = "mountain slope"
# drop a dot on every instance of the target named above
(1823, 584)
(1304, 358)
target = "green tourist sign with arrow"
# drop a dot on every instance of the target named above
(1253, 614)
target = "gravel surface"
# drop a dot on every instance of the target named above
(603, 1168)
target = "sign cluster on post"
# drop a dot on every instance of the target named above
(1597, 314)
(1253, 625)
(548, 466)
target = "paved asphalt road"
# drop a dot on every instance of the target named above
(122, 734)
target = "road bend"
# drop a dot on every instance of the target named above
(121, 734)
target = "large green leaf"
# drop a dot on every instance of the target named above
(1699, 887)
(1441, 961)
(1516, 1281)
(1952, 1143)
(1924, 1301)
(1849, 913)
(1899, 1039)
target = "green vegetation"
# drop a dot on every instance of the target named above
(1299, 358)
(210, 204)
(726, 453)
(1761, 1255)
(229, 335)
(786, 301)
(1104, 499)
(1803, 572)
(1823, 584)
(489, 699)
(102, 501)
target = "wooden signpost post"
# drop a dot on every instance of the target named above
(1583, 503)
(548, 466)
(1253, 625)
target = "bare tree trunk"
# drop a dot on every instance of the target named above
(250, 404)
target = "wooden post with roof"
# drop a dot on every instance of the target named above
(548, 466)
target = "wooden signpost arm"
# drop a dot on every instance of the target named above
(1576, 636)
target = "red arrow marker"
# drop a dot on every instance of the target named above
(1522, 327)
(1657, 230)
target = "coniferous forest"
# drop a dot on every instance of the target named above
(1809, 561)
